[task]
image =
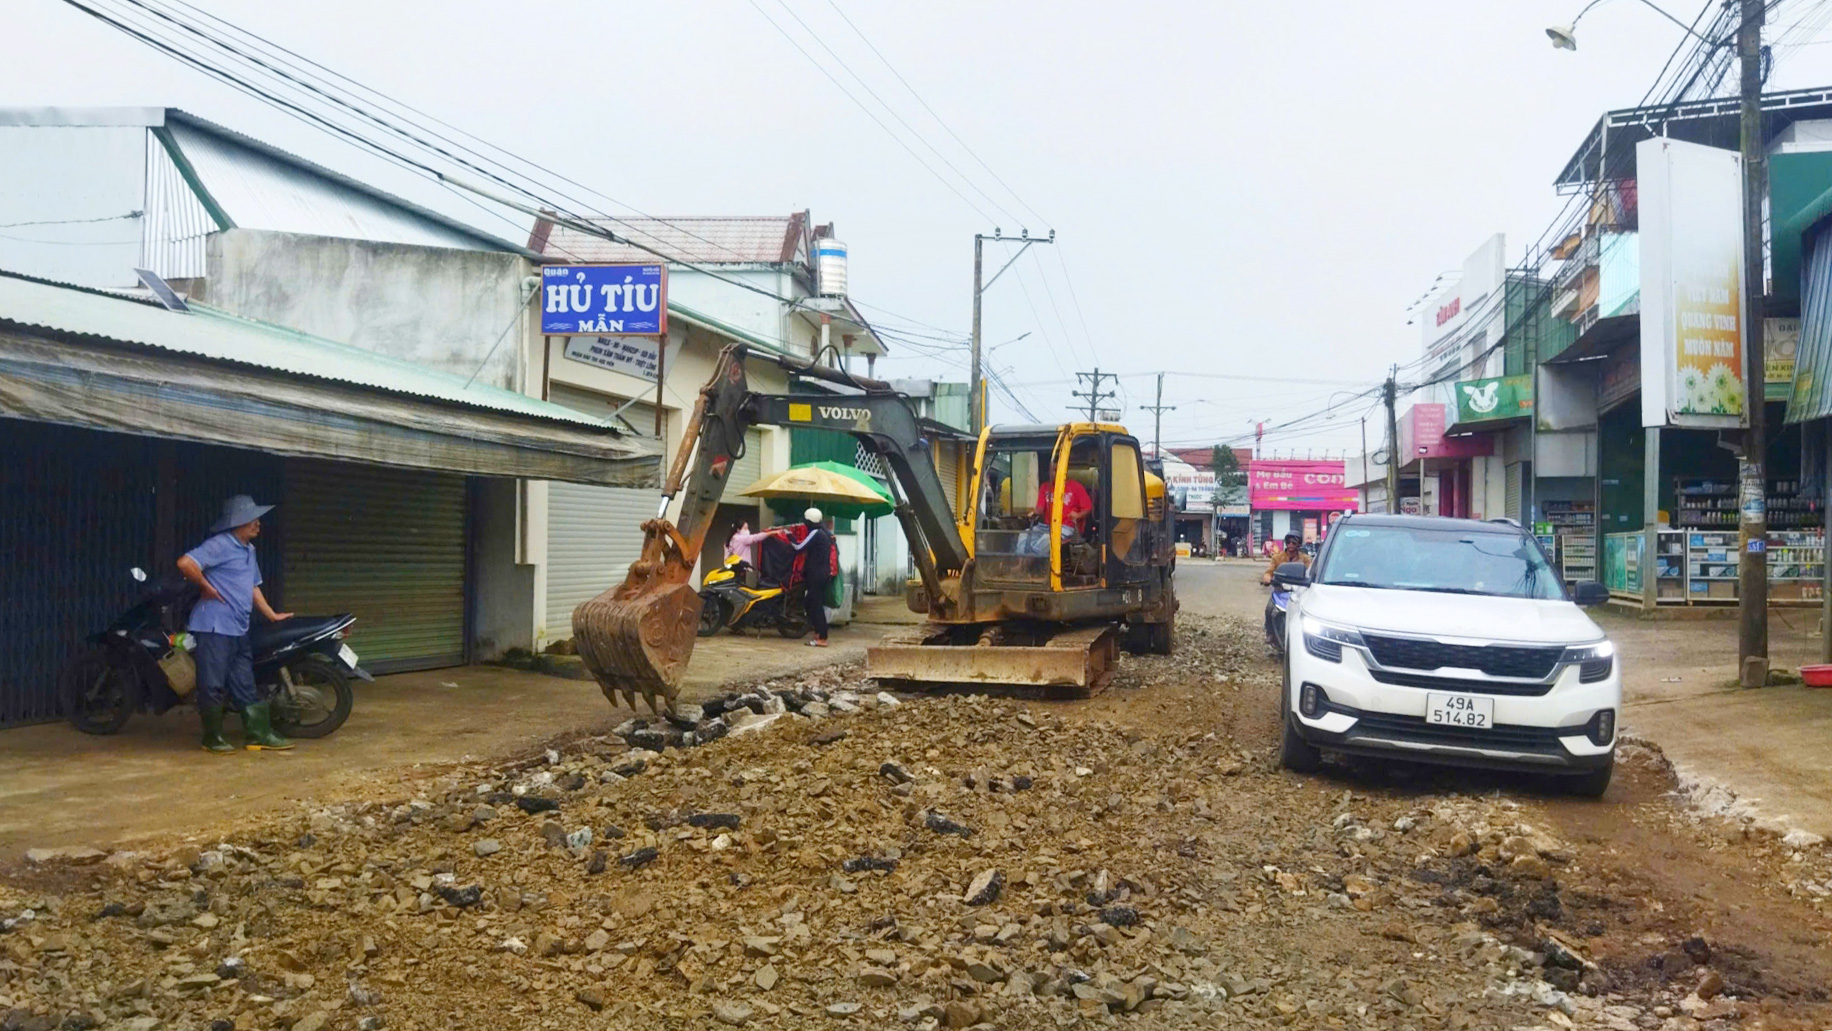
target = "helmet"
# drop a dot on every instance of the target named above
(1292, 538)
(813, 515)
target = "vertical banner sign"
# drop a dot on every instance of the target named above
(1692, 356)
(592, 300)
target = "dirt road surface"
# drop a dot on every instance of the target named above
(1137, 859)
(150, 782)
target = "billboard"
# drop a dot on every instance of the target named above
(595, 300)
(1295, 485)
(631, 355)
(1499, 397)
(1692, 358)
(1421, 435)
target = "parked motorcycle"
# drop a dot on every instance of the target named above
(731, 597)
(139, 663)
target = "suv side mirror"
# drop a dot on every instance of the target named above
(1291, 574)
(1589, 592)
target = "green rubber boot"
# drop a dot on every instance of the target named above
(214, 741)
(258, 730)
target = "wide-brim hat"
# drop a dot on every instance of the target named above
(239, 511)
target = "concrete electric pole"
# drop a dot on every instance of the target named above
(976, 395)
(1094, 393)
(1157, 411)
(1390, 394)
(1752, 475)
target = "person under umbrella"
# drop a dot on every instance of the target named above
(816, 548)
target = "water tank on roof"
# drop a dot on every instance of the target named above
(830, 267)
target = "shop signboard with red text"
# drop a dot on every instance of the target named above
(1298, 485)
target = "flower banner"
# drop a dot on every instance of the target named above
(1692, 357)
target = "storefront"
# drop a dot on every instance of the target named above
(1295, 496)
(126, 425)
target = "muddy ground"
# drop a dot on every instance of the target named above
(956, 861)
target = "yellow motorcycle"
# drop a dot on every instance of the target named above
(730, 596)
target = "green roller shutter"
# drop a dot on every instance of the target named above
(387, 545)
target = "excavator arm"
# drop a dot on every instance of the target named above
(636, 638)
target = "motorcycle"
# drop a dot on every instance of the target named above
(1275, 618)
(731, 598)
(140, 662)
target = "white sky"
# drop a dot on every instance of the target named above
(1256, 188)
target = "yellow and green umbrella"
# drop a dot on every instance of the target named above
(835, 489)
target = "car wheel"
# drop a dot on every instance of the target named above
(1295, 753)
(1594, 783)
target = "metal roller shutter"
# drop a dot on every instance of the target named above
(593, 534)
(76, 513)
(387, 545)
(1512, 497)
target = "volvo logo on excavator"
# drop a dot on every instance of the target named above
(844, 414)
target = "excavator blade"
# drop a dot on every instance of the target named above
(637, 637)
(1076, 662)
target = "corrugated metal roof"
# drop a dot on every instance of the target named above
(701, 239)
(220, 336)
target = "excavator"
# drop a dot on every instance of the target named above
(1016, 593)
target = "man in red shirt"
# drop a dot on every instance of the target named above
(1076, 504)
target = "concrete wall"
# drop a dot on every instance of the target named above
(502, 588)
(438, 307)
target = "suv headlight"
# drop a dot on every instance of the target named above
(1594, 661)
(1325, 640)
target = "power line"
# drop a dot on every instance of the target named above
(879, 122)
(938, 119)
(150, 36)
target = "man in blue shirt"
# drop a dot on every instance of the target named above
(229, 579)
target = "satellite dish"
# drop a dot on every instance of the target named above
(1563, 36)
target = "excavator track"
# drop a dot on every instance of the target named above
(1075, 662)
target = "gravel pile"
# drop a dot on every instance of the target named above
(828, 855)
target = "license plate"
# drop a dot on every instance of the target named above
(346, 653)
(1473, 712)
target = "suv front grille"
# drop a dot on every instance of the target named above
(1497, 660)
(1498, 687)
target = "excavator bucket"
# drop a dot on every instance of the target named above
(636, 638)
(1076, 662)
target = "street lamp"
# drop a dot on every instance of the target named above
(1564, 37)
(1013, 340)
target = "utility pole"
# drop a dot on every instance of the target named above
(1094, 393)
(1157, 419)
(1390, 394)
(1752, 476)
(976, 405)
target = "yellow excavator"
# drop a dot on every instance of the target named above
(1017, 590)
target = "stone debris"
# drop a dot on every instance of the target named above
(813, 852)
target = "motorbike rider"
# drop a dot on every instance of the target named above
(1292, 552)
(228, 576)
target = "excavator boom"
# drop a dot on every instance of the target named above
(637, 637)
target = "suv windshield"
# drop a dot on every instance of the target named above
(1454, 560)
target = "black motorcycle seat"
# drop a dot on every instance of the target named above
(268, 637)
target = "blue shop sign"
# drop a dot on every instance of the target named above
(631, 300)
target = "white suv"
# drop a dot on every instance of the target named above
(1447, 641)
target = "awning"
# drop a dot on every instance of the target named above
(88, 358)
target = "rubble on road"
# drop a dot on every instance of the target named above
(945, 862)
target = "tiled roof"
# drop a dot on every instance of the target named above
(701, 239)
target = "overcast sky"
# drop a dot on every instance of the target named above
(1246, 188)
